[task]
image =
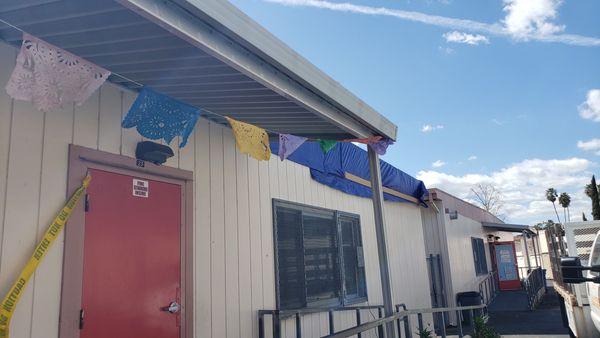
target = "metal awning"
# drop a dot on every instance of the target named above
(507, 227)
(210, 55)
(206, 53)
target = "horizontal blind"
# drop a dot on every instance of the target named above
(320, 259)
(320, 256)
(353, 257)
(290, 265)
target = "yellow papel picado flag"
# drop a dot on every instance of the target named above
(250, 139)
(16, 291)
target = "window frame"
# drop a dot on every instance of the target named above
(342, 299)
(476, 258)
(354, 298)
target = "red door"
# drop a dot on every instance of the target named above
(131, 269)
(505, 261)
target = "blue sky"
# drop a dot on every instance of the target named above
(500, 99)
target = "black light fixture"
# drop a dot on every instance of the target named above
(153, 152)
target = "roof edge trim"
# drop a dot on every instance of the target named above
(238, 26)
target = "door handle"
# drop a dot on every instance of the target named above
(174, 307)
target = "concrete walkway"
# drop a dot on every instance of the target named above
(509, 301)
(510, 317)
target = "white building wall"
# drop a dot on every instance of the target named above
(436, 243)
(234, 262)
(460, 254)
(505, 236)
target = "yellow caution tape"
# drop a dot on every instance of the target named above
(12, 298)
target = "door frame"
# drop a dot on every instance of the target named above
(493, 254)
(80, 160)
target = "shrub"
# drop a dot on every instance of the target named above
(482, 329)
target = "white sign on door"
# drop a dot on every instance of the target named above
(140, 188)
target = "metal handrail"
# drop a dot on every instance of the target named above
(290, 313)
(364, 327)
(488, 288)
(278, 315)
(401, 315)
(534, 283)
(401, 318)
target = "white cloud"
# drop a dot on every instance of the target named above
(472, 158)
(429, 128)
(438, 164)
(523, 185)
(497, 29)
(591, 145)
(446, 50)
(590, 109)
(529, 18)
(470, 39)
(498, 122)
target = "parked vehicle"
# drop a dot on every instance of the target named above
(576, 266)
(593, 287)
(573, 272)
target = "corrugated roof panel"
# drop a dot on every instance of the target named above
(118, 39)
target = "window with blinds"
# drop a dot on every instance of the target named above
(319, 257)
(352, 254)
(479, 256)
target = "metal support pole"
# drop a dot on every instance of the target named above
(298, 326)
(381, 243)
(472, 319)
(443, 325)
(358, 322)
(276, 325)
(535, 252)
(459, 322)
(261, 326)
(380, 332)
(331, 323)
(526, 252)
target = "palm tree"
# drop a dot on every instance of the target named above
(593, 194)
(551, 196)
(565, 200)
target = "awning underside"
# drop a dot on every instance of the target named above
(507, 227)
(116, 38)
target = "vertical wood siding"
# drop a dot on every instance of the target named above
(233, 226)
(460, 253)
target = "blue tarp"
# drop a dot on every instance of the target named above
(345, 157)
